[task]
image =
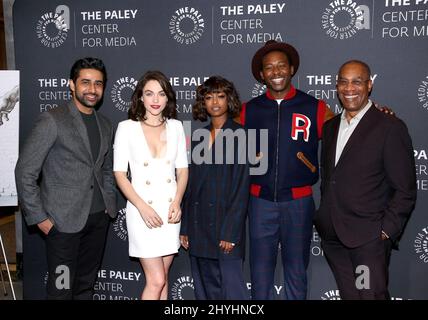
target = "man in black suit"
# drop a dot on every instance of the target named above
(368, 187)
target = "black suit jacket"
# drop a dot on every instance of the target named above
(215, 203)
(373, 186)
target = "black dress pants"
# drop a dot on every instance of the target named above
(368, 262)
(74, 259)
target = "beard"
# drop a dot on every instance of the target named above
(86, 102)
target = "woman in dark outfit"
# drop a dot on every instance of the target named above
(215, 205)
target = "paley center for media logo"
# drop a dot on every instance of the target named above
(121, 93)
(258, 89)
(52, 27)
(186, 25)
(421, 245)
(423, 93)
(342, 19)
(119, 225)
(333, 294)
(181, 287)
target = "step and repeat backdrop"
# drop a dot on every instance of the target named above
(192, 40)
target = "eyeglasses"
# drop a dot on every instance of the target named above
(355, 83)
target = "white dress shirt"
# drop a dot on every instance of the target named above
(347, 128)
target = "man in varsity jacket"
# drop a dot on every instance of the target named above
(281, 206)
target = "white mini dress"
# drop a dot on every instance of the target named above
(154, 181)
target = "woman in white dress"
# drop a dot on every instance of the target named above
(153, 144)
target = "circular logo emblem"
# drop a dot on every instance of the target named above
(52, 29)
(119, 225)
(258, 90)
(423, 93)
(186, 25)
(180, 286)
(331, 295)
(342, 21)
(421, 245)
(121, 93)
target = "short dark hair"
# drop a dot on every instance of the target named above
(361, 63)
(137, 111)
(88, 63)
(216, 84)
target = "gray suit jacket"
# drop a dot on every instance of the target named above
(58, 150)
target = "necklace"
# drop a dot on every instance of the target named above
(154, 125)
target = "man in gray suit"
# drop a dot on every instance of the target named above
(66, 186)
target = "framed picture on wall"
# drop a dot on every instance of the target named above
(9, 135)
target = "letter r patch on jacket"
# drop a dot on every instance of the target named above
(300, 124)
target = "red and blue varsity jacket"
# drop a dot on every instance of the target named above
(295, 125)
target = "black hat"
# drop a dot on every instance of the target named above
(272, 45)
